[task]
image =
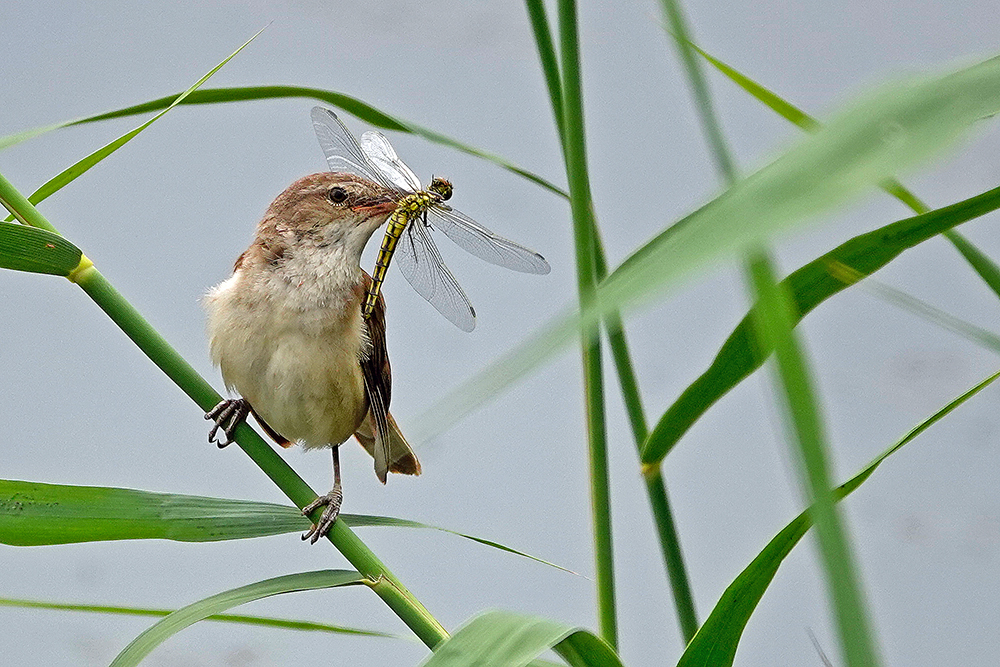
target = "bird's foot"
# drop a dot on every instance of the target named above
(332, 503)
(227, 415)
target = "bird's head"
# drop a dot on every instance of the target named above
(332, 210)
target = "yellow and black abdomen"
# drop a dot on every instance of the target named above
(410, 208)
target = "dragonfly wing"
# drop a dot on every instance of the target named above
(420, 263)
(342, 151)
(381, 153)
(484, 244)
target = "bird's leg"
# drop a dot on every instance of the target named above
(227, 415)
(332, 502)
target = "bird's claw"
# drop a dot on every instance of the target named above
(227, 415)
(332, 503)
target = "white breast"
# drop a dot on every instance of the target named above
(292, 349)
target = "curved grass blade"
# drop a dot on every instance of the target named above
(716, 642)
(59, 181)
(244, 619)
(36, 250)
(809, 286)
(506, 639)
(14, 139)
(363, 520)
(35, 514)
(351, 105)
(173, 623)
(782, 107)
(885, 133)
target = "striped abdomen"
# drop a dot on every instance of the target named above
(410, 208)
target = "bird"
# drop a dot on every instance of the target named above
(287, 332)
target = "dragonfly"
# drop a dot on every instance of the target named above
(407, 237)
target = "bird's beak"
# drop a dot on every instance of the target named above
(383, 205)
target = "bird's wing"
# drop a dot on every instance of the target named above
(378, 384)
(378, 433)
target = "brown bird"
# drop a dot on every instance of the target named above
(288, 333)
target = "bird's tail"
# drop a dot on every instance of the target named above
(401, 457)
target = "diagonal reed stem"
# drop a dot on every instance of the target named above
(159, 351)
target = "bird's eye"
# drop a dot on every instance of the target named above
(338, 195)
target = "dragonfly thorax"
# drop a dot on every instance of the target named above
(418, 202)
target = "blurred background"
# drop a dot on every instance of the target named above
(165, 217)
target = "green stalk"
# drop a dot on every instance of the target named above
(550, 65)
(656, 487)
(775, 321)
(154, 346)
(710, 124)
(583, 226)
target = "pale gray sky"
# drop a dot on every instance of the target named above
(165, 217)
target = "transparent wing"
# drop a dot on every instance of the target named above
(342, 151)
(381, 153)
(420, 263)
(484, 244)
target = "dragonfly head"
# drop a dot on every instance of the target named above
(441, 187)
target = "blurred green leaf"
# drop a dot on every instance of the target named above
(36, 250)
(983, 265)
(716, 642)
(245, 619)
(894, 129)
(810, 285)
(929, 313)
(33, 514)
(173, 623)
(351, 105)
(507, 639)
(886, 132)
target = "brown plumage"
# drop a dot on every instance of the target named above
(287, 331)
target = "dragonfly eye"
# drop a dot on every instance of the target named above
(338, 195)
